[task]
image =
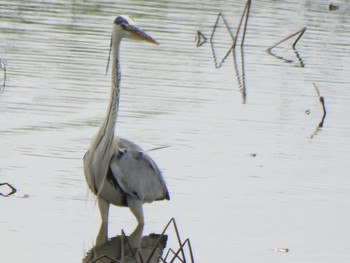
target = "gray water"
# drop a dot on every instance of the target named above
(247, 176)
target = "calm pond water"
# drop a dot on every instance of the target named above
(247, 177)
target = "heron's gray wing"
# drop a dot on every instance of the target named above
(137, 174)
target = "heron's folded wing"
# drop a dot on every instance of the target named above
(138, 175)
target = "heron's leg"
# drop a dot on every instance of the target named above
(136, 236)
(102, 235)
(135, 206)
(104, 209)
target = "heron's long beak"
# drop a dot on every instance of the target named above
(140, 34)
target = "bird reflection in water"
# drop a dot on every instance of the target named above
(122, 248)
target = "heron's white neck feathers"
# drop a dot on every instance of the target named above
(102, 149)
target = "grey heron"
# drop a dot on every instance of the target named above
(117, 170)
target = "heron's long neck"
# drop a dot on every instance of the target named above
(106, 132)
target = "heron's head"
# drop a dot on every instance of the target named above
(124, 27)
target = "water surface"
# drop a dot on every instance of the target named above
(245, 178)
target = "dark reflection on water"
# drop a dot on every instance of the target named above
(122, 248)
(139, 248)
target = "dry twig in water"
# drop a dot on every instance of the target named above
(245, 15)
(201, 39)
(13, 190)
(3, 67)
(322, 101)
(219, 64)
(300, 34)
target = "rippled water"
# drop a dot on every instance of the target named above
(245, 178)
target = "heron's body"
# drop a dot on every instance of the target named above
(117, 171)
(131, 173)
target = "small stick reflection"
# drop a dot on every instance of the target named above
(3, 67)
(217, 63)
(245, 14)
(240, 74)
(322, 101)
(300, 34)
(240, 71)
(201, 39)
(13, 190)
(281, 250)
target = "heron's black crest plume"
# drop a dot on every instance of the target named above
(109, 56)
(121, 20)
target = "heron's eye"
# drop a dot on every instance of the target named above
(121, 21)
